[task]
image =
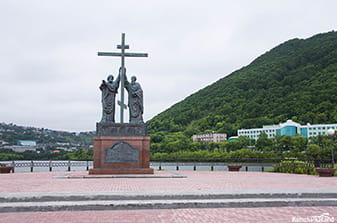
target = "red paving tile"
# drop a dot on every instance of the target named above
(196, 180)
(261, 215)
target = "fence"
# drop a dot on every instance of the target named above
(247, 164)
(51, 164)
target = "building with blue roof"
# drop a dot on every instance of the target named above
(288, 128)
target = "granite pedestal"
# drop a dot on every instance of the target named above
(121, 149)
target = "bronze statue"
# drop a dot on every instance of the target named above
(122, 55)
(135, 102)
(109, 91)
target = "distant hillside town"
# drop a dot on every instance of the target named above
(21, 138)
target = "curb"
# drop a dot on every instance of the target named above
(39, 202)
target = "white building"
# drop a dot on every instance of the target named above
(20, 149)
(30, 143)
(288, 128)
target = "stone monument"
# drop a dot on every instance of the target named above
(121, 148)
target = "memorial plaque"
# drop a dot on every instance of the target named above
(121, 152)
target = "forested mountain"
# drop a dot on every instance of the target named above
(296, 80)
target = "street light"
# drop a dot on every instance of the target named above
(331, 134)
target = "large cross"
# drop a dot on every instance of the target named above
(122, 54)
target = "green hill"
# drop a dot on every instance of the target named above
(11, 133)
(295, 80)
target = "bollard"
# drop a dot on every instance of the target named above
(69, 165)
(177, 168)
(246, 168)
(31, 166)
(50, 166)
(212, 168)
(262, 169)
(13, 166)
(87, 165)
(159, 166)
(194, 167)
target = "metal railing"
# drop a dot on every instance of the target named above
(51, 164)
(247, 164)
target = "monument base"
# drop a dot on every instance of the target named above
(101, 171)
(118, 129)
(121, 155)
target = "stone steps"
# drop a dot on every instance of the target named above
(30, 202)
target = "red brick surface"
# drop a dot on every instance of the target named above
(260, 215)
(195, 181)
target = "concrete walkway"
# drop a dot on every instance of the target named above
(203, 196)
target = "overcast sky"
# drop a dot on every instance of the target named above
(50, 71)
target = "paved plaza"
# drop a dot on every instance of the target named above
(200, 196)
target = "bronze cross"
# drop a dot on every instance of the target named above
(122, 54)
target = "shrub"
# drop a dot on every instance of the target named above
(294, 166)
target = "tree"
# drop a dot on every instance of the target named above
(322, 141)
(264, 143)
(157, 137)
(245, 141)
(175, 142)
(10, 156)
(80, 154)
(285, 143)
(314, 152)
(233, 146)
(299, 143)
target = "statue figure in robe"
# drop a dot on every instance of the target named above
(109, 91)
(135, 102)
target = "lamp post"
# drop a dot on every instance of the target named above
(331, 134)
